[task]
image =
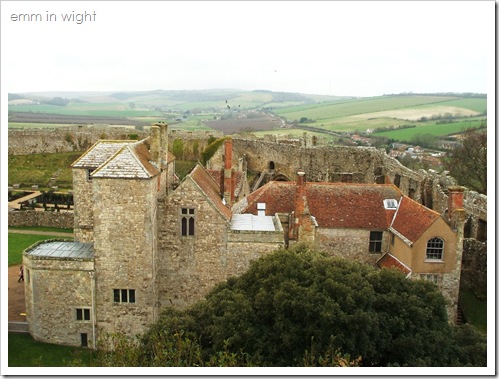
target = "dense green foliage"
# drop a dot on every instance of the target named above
(467, 162)
(211, 149)
(296, 304)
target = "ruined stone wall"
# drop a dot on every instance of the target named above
(54, 288)
(63, 219)
(474, 267)
(190, 266)
(64, 138)
(352, 244)
(125, 225)
(338, 163)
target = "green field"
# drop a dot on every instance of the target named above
(438, 130)
(27, 170)
(380, 112)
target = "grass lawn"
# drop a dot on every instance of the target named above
(25, 352)
(475, 310)
(19, 242)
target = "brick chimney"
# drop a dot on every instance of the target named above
(303, 229)
(228, 174)
(455, 211)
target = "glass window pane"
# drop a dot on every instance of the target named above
(116, 296)
(79, 314)
(132, 296)
(191, 226)
(86, 314)
(124, 296)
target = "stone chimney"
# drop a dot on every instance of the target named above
(228, 174)
(163, 147)
(155, 144)
(300, 197)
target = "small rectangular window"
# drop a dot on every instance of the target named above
(375, 242)
(124, 295)
(84, 339)
(82, 314)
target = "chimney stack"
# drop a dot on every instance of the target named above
(301, 206)
(228, 174)
(455, 209)
(155, 144)
(163, 148)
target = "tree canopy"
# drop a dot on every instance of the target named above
(467, 162)
(298, 303)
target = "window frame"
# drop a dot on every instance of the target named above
(435, 253)
(376, 241)
(187, 222)
(124, 296)
(431, 277)
(83, 314)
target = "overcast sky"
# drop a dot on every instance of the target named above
(327, 47)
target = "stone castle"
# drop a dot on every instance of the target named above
(145, 241)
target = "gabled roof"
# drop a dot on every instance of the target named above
(118, 159)
(390, 261)
(338, 205)
(412, 219)
(130, 162)
(100, 152)
(210, 188)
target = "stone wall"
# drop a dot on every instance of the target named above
(352, 244)
(64, 138)
(474, 267)
(54, 288)
(244, 246)
(125, 222)
(188, 267)
(63, 219)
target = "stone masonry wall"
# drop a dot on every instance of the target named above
(54, 288)
(45, 219)
(64, 139)
(474, 267)
(124, 252)
(246, 246)
(189, 267)
(347, 243)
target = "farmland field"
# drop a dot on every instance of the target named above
(437, 130)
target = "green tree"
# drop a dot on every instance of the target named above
(296, 307)
(467, 162)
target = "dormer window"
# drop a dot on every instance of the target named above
(390, 204)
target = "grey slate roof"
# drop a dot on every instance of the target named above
(63, 249)
(100, 152)
(123, 164)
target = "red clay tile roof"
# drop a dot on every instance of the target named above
(210, 188)
(389, 261)
(412, 219)
(338, 205)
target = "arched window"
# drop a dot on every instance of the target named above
(435, 249)
(271, 166)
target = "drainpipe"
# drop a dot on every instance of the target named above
(92, 286)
